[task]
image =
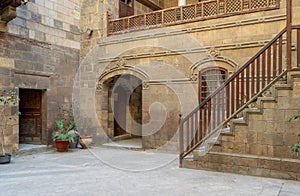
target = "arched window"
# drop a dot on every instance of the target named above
(209, 80)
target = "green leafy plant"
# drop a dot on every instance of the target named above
(7, 98)
(295, 147)
(63, 132)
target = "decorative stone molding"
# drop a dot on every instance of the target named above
(145, 85)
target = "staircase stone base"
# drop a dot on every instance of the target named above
(247, 165)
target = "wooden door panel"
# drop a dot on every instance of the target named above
(31, 116)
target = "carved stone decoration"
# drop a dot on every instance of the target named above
(194, 77)
(121, 62)
(214, 52)
(145, 85)
(99, 87)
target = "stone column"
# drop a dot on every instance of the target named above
(181, 2)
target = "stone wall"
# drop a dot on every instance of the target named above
(53, 22)
(27, 63)
(169, 69)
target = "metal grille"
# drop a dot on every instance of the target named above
(188, 13)
(210, 8)
(258, 3)
(233, 6)
(170, 16)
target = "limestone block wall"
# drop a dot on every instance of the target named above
(54, 22)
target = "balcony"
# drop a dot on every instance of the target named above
(190, 13)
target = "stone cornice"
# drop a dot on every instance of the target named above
(231, 46)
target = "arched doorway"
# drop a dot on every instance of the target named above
(124, 107)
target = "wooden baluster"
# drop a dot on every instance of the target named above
(202, 9)
(219, 107)
(248, 83)
(275, 60)
(263, 69)
(213, 111)
(188, 134)
(197, 127)
(257, 75)
(192, 130)
(227, 100)
(252, 79)
(162, 17)
(181, 13)
(209, 116)
(222, 106)
(241, 5)
(218, 7)
(269, 61)
(280, 54)
(289, 34)
(298, 47)
(249, 4)
(201, 122)
(237, 92)
(232, 97)
(181, 146)
(108, 23)
(243, 96)
(205, 120)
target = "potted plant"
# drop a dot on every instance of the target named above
(295, 147)
(62, 137)
(7, 98)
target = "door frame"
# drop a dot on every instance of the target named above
(44, 133)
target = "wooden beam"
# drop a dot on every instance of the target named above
(149, 4)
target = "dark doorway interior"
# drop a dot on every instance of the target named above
(30, 126)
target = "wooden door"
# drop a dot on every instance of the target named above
(30, 128)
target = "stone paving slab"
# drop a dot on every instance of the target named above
(117, 172)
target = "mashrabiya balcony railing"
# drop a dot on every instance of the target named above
(189, 13)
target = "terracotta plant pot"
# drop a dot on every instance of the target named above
(5, 158)
(61, 145)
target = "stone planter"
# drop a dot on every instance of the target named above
(5, 158)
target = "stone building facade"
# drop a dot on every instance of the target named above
(133, 83)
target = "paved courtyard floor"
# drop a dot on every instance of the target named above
(118, 172)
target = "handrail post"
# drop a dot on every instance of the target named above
(289, 34)
(180, 140)
(107, 23)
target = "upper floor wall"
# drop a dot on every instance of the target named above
(50, 21)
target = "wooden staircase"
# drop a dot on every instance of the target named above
(207, 142)
(248, 147)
